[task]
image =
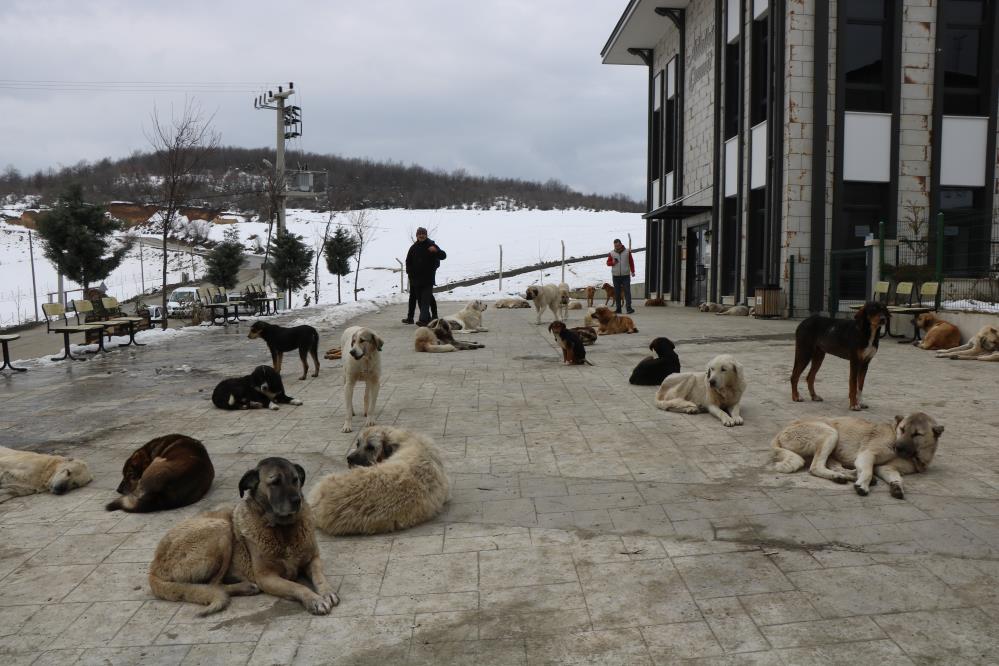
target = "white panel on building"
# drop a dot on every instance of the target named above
(962, 151)
(733, 20)
(657, 92)
(671, 79)
(656, 198)
(760, 8)
(758, 175)
(668, 188)
(732, 166)
(867, 147)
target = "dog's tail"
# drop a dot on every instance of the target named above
(786, 461)
(131, 504)
(212, 596)
(587, 361)
(439, 349)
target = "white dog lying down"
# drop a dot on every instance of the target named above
(362, 362)
(396, 481)
(27, 473)
(718, 390)
(469, 318)
(983, 346)
(866, 448)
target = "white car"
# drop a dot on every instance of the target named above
(181, 300)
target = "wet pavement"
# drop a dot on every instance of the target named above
(585, 525)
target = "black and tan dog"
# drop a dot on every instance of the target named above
(652, 370)
(442, 331)
(264, 544)
(573, 351)
(280, 340)
(259, 389)
(587, 334)
(855, 340)
(166, 473)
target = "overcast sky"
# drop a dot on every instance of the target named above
(509, 88)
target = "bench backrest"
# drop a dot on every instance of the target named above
(881, 290)
(903, 290)
(54, 313)
(111, 304)
(205, 295)
(929, 292)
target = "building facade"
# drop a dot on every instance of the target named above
(785, 134)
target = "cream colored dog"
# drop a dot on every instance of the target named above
(545, 296)
(362, 362)
(563, 301)
(718, 391)
(27, 473)
(396, 481)
(469, 318)
(736, 311)
(511, 303)
(867, 449)
(983, 346)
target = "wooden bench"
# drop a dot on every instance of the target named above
(206, 296)
(4, 339)
(112, 310)
(222, 296)
(57, 312)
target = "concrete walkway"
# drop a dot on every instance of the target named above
(586, 526)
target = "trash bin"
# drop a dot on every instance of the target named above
(768, 301)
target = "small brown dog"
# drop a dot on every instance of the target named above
(940, 334)
(611, 323)
(608, 292)
(591, 291)
(167, 473)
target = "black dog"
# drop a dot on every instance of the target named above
(280, 340)
(261, 388)
(853, 339)
(651, 371)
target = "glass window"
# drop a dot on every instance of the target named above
(656, 139)
(966, 57)
(761, 83)
(867, 58)
(733, 81)
(865, 9)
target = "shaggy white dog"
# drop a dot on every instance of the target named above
(545, 296)
(27, 473)
(718, 390)
(469, 318)
(362, 362)
(396, 481)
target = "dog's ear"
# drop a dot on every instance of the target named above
(301, 473)
(938, 430)
(379, 343)
(250, 481)
(898, 419)
(386, 450)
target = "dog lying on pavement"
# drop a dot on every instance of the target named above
(26, 473)
(983, 346)
(652, 370)
(469, 318)
(260, 389)
(166, 473)
(718, 391)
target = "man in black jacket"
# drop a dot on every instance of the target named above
(422, 261)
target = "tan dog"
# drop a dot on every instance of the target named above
(591, 291)
(511, 303)
(426, 340)
(608, 292)
(264, 545)
(545, 296)
(718, 391)
(26, 473)
(939, 334)
(983, 346)
(361, 363)
(865, 448)
(563, 301)
(735, 311)
(611, 323)
(469, 318)
(588, 318)
(711, 307)
(396, 481)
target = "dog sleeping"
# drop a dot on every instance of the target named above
(511, 303)
(983, 346)
(260, 389)
(166, 473)
(436, 337)
(718, 391)
(396, 480)
(26, 473)
(652, 370)
(280, 340)
(573, 352)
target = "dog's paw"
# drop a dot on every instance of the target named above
(370, 421)
(691, 410)
(244, 589)
(302, 377)
(294, 401)
(863, 405)
(318, 605)
(346, 428)
(839, 478)
(797, 398)
(330, 596)
(273, 406)
(855, 408)
(896, 490)
(737, 420)
(728, 422)
(861, 490)
(816, 398)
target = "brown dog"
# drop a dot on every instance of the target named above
(591, 291)
(611, 323)
(609, 292)
(940, 334)
(573, 352)
(167, 473)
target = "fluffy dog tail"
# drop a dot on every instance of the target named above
(439, 349)
(212, 596)
(124, 503)
(786, 461)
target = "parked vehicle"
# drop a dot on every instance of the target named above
(181, 300)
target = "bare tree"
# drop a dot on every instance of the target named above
(181, 146)
(363, 225)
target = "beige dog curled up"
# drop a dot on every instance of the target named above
(362, 362)
(27, 473)
(718, 390)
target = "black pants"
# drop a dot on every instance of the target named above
(422, 295)
(622, 291)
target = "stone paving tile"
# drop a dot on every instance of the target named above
(585, 525)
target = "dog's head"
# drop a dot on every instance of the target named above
(532, 292)
(373, 445)
(275, 488)
(926, 320)
(608, 288)
(556, 327)
(257, 329)
(916, 438)
(365, 342)
(724, 374)
(874, 313)
(704, 307)
(662, 346)
(69, 474)
(264, 377)
(477, 305)
(603, 314)
(988, 337)
(132, 470)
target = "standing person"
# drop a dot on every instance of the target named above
(422, 261)
(622, 270)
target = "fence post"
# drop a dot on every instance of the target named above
(790, 286)
(563, 261)
(34, 289)
(940, 242)
(501, 270)
(833, 285)
(881, 249)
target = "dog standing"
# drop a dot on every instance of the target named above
(608, 292)
(545, 296)
(867, 449)
(264, 544)
(855, 340)
(652, 370)
(362, 362)
(563, 301)
(591, 291)
(611, 323)
(718, 391)
(573, 351)
(26, 473)
(260, 389)
(940, 334)
(166, 473)
(280, 340)
(983, 346)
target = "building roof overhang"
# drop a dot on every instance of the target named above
(675, 212)
(639, 27)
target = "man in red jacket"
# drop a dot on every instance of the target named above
(622, 270)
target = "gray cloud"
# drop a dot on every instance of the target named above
(498, 87)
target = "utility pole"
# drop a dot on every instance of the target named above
(142, 269)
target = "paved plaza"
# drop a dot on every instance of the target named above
(585, 525)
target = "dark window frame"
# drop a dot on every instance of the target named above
(854, 91)
(955, 97)
(733, 86)
(759, 91)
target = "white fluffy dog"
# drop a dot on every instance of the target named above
(545, 296)
(362, 362)
(469, 318)
(27, 473)
(718, 390)
(396, 481)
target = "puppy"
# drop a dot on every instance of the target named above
(262, 388)
(611, 323)
(280, 340)
(940, 334)
(587, 334)
(735, 311)
(396, 480)
(27, 473)
(545, 296)
(362, 363)
(718, 391)
(859, 449)
(608, 292)
(166, 473)
(575, 305)
(573, 352)
(265, 544)
(983, 346)
(469, 318)
(591, 291)
(652, 370)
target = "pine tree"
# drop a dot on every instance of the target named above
(76, 237)
(290, 262)
(225, 260)
(338, 251)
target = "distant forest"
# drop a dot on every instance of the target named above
(236, 179)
